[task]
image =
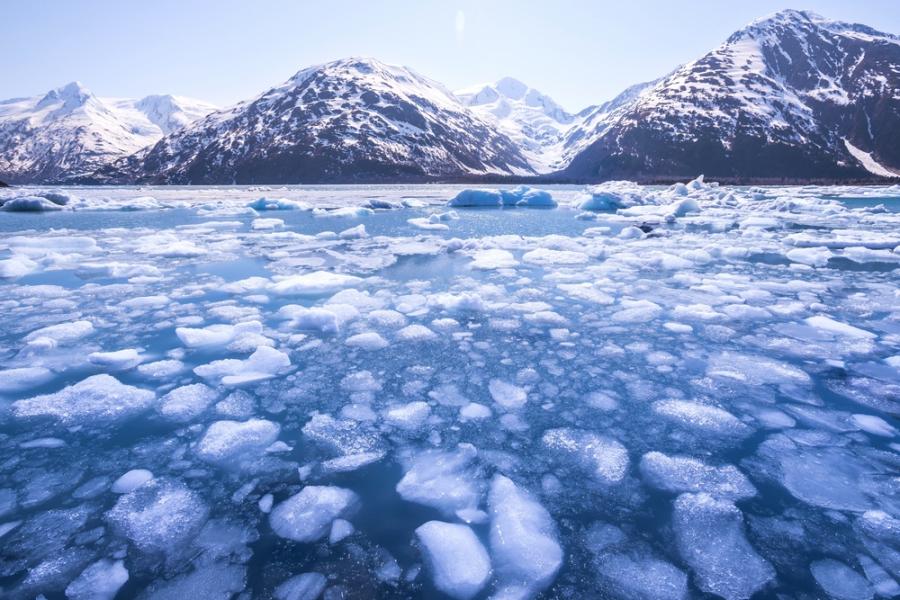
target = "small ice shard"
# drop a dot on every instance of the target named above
(62, 333)
(23, 378)
(317, 283)
(369, 340)
(306, 586)
(493, 258)
(102, 580)
(683, 474)
(710, 538)
(601, 457)
(838, 328)
(416, 333)
(310, 319)
(446, 481)
(840, 581)
(117, 360)
(264, 363)
(187, 402)
(507, 395)
(354, 233)
(409, 416)
(131, 481)
(231, 442)
(459, 564)
(474, 412)
(99, 398)
(307, 516)
(340, 529)
(640, 577)
(218, 335)
(701, 417)
(524, 546)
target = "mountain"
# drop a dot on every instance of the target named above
(355, 119)
(791, 96)
(69, 131)
(530, 118)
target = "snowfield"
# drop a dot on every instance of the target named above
(434, 391)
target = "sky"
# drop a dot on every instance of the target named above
(223, 51)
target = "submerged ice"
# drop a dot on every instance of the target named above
(638, 392)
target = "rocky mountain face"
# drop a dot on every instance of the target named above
(792, 96)
(70, 132)
(350, 120)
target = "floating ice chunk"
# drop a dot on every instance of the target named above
(24, 378)
(317, 283)
(218, 335)
(814, 257)
(416, 333)
(340, 529)
(231, 442)
(631, 233)
(611, 196)
(17, 266)
(428, 223)
(637, 311)
(524, 546)
(175, 249)
(354, 233)
(102, 580)
(306, 586)
(446, 481)
(266, 224)
(161, 369)
(465, 301)
(29, 204)
(459, 564)
(263, 204)
(344, 212)
(547, 257)
(448, 395)
(474, 412)
(874, 425)
(836, 327)
(117, 360)
(710, 536)
(408, 416)
(682, 474)
(361, 381)
(532, 198)
(146, 302)
(702, 417)
(99, 398)
(840, 581)
(187, 402)
(215, 580)
(131, 481)
(264, 363)
(159, 516)
(351, 462)
(61, 333)
(507, 395)
(602, 457)
(310, 319)
(641, 577)
(369, 340)
(883, 584)
(307, 516)
(755, 370)
(493, 258)
(477, 198)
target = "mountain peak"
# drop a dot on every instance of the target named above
(72, 95)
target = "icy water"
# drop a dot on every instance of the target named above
(355, 392)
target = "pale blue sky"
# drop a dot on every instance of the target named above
(579, 52)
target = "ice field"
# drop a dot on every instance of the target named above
(430, 392)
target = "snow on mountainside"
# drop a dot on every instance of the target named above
(352, 119)
(532, 119)
(788, 96)
(69, 131)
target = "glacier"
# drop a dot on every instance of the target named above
(637, 391)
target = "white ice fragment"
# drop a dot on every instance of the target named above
(416, 333)
(493, 258)
(130, 481)
(701, 417)
(683, 474)
(838, 328)
(340, 529)
(23, 378)
(61, 333)
(310, 319)
(637, 311)
(317, 283)
(840, 581)
(459, 564)
(409, 417)
(443, 480)
(354, 233)
(507, 395)
(99, 581)
(187, 402)
(601, 457)
(710, 536)
(874, 425)
(264, 363)
(526, 553)
(218, 335)
(474, 412)
(231, 442)
(306, 586)
(307, 516)
(370, 340)
(99, 398)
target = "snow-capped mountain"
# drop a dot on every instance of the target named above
(790, 96)
(352, 119)
(69, 132)
(530, 118)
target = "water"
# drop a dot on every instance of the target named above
(708, 406)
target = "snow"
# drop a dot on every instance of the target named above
(868, 161)
(525, 551)
(459, 564)
(307, 516)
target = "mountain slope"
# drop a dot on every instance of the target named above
(69, 131)
(791, 96)
(532, 119)
(350, 120)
